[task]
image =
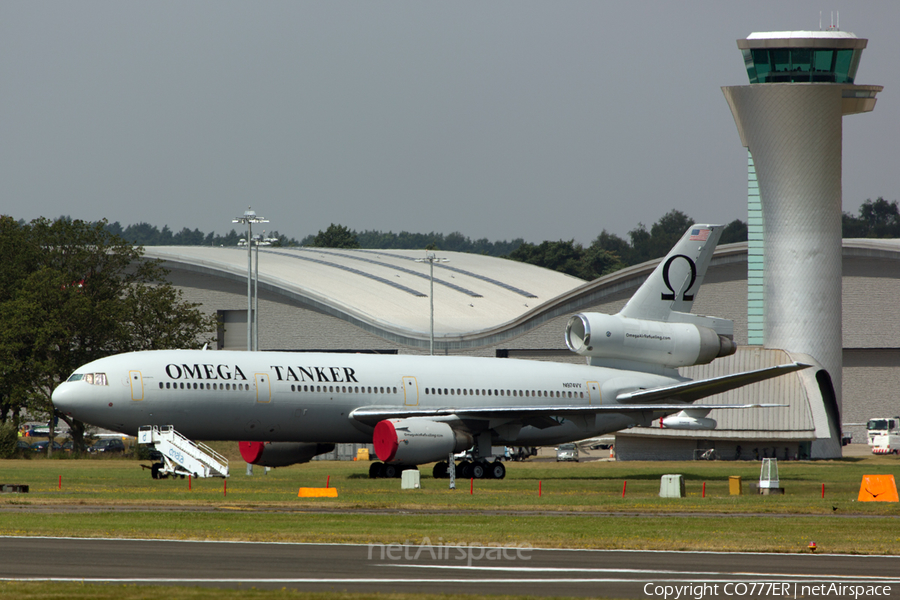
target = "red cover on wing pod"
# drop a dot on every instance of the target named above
(385, 440)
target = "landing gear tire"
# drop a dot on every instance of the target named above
(440, 470)
(478, 470)
(464, 470)
(390, 472)
(375, 470)
(497, 470)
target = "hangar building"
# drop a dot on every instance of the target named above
(378, 301)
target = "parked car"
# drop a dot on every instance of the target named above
(108, 445)
(567, 452)
(23, 446)
(42, 446)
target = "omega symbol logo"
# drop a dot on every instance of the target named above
(685, 296)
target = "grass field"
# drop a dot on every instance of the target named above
(579, 506)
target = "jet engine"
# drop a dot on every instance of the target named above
(416, 441)
(281, 454)
(669, 344)
(689, 419)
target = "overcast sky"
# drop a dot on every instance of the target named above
(545, 120)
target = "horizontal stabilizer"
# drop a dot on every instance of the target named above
(702, 388)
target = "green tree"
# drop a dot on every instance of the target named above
(78, 293)
(878, 219)
(736, 231)
(336, 236)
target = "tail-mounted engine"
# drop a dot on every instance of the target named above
(669, 344)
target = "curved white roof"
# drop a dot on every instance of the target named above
(388, 289)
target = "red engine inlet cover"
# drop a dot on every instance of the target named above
(385, 441)
(251, 451)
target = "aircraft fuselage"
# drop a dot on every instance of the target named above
(309, 397)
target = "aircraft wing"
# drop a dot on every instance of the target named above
(671, 398)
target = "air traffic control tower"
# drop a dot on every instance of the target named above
(790, 120)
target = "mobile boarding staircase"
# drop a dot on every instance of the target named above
(181, 456)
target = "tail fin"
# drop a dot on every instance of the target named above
(674, 283)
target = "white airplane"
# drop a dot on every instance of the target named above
(287, 407)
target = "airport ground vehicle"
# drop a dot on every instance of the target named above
(882, 426)
(886, 444)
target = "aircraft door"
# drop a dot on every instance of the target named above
(263, 388)
(137, 385)
(410, 391)
(594, 393)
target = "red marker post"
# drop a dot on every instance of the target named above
(624, 485)
(539, 488)
(704, 489)
(60, 484)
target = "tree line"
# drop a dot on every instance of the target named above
(876, 219)
(144, 234)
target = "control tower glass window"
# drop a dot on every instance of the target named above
(801, 65)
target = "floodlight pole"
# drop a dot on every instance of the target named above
(249, 217)
(256, 298)
(430, 258)
(259, 240)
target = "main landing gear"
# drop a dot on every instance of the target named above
(378, 470)
(467, 469)
(480, 469)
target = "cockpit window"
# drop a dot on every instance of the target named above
(92, 378)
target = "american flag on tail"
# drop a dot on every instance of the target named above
(699, 235)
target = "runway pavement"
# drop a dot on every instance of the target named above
(437, 568)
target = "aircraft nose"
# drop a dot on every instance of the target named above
(65, 398)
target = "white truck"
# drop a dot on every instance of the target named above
(882, 426)
(886, 443)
